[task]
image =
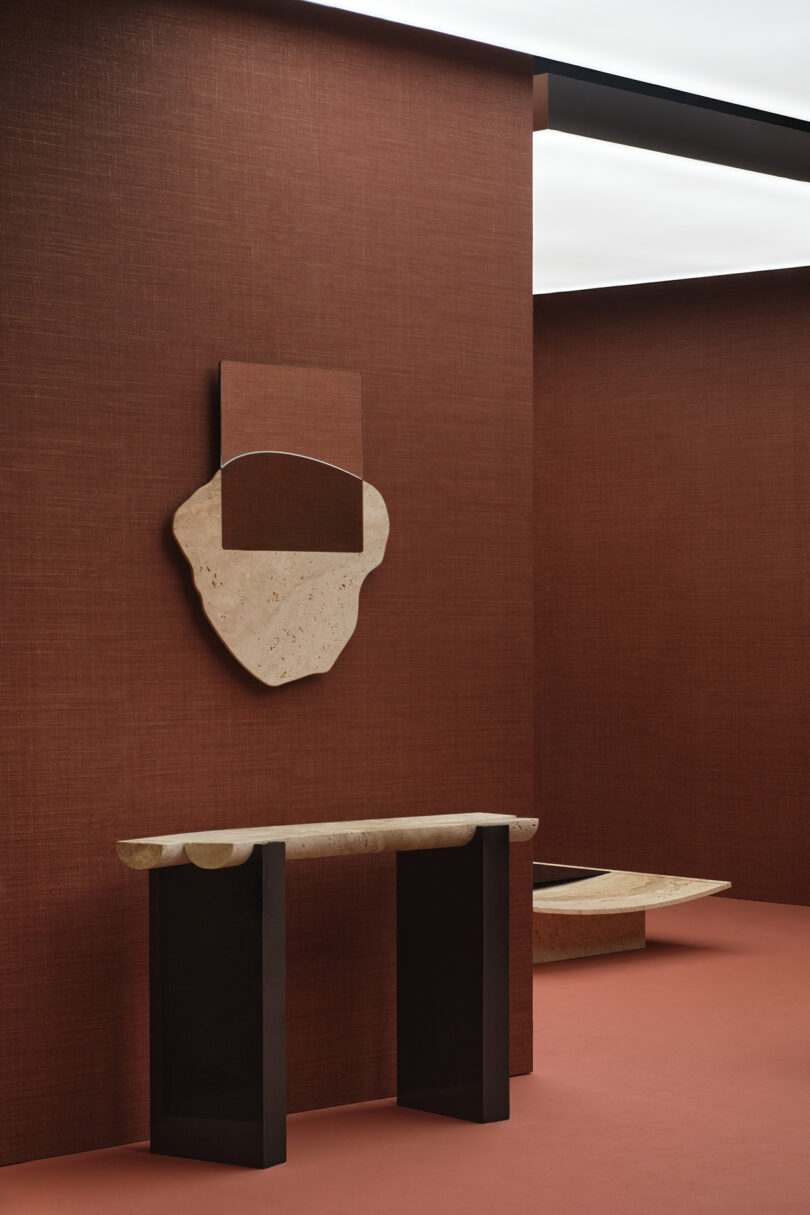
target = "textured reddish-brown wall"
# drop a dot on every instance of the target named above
(195, 182)
(673, 539)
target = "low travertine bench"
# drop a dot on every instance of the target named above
(579, 913)
(217, 973)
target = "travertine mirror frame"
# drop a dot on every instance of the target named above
(280, 541)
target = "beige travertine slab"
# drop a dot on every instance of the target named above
(282, 615)
(221, 849)
(558, 938)
(621, 891)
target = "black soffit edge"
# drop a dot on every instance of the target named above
(579, 101)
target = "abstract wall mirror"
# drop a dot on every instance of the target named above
(281, 539)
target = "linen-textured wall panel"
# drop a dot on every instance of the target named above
(186, 183)
(673, 537)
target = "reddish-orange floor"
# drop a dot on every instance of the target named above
(673, 1081)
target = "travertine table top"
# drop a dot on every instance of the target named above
(621, 891)
(221, 849)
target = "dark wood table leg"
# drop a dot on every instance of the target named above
(217, 1011)
(453, 978)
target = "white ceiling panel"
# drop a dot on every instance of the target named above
(749, 53)
(607, 214)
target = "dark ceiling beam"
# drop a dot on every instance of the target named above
(598, 106)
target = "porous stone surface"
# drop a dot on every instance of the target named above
(282, 615)
(558, 938)
(304, 841)
(619, 891)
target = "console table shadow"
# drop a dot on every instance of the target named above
(217, 973)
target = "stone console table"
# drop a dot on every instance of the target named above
(217, 973)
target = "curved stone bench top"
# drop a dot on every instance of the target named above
(221, 849)
(621, 891)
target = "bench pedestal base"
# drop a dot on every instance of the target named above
(557, 938)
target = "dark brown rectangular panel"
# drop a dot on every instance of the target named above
(453, 978)
(217, 1020)
(307, 411)
(176, 192)
(673, 531)
(521, 1043)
